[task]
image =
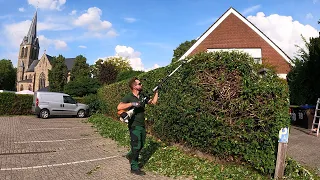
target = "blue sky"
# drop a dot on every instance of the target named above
(144, 31)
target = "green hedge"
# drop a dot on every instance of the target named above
(15, 104)
(217, 103)
(95, 104)
(172, 161)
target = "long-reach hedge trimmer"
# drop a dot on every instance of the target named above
(126, 115)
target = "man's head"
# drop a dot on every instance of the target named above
(135, 84)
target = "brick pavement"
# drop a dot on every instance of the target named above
(59, 148)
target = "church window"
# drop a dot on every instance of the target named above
(30, 76)
(22, 52)
(30, 88)
(42, 81)
(26, 52)
(26, 77)
(21, 87)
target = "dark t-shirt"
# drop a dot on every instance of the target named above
(138, 116)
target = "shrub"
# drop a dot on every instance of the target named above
(15, 104)
(219, 104)
(94, 103)
(82, 86)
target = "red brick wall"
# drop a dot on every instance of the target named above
(233, 33)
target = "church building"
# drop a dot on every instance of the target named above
(32, 73)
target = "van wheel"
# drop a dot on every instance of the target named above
(81, 113)
(44, 113)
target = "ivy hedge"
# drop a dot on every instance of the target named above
(15, 104)
(219, 104)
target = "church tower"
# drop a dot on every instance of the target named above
(29, 50)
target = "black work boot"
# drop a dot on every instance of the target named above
(137, 172)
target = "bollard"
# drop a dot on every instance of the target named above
(282, 151)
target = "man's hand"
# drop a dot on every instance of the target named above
(135, 104)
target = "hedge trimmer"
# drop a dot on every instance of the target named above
(125, 115)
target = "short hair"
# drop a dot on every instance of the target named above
(132, 81)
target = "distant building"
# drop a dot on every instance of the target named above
(232, 31)
(32, 73)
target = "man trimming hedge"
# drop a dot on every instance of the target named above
(136, 123)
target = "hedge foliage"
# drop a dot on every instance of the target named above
(15, 104)
(217, 103)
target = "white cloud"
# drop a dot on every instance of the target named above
(73, 12)
(251, 9)
(21, 9)
(92, 20)
(130, 20)
(130, 54)
(81, 46)
(155, 66)
(315, 1)
(283, 31)
(15, 32)
(46, 43)
(112, 33)
(309, 16)
(48, 4)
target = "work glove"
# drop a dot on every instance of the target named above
(135, 104)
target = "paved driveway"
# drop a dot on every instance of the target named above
(59, 148)
(304, 148)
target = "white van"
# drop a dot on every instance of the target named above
(46, 104)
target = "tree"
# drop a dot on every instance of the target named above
(181, 49)
(95, 69)
(303, 79)
(82, 86)
(119, 63)
(107, 73)
(8, 75)
(58, 74)
(80, 68)
(127, 74)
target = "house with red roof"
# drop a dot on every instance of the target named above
(232, 31)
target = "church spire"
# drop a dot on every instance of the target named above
(31, 37)
(33, 28)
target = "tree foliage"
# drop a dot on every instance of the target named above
(128, 74)
(181, 49)
(107, 73)
(58, 74)
(303, 79)
(8, 75)
(80, 68)
(82, 86)
(119, 63)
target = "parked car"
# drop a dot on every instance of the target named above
(46, 104)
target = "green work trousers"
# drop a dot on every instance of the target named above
(138, 138)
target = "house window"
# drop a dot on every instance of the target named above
(21, 87)
(257, 60)
(256, 53)
(42, 81)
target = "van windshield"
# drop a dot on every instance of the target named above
(68, 99)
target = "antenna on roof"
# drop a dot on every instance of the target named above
(37, 6)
